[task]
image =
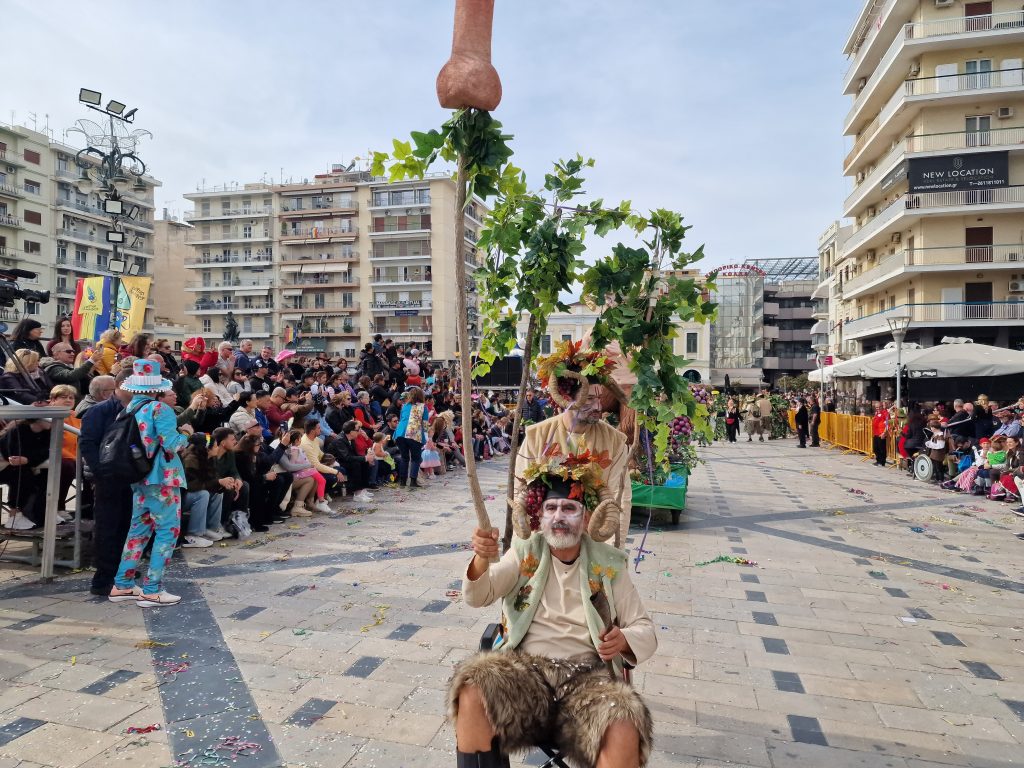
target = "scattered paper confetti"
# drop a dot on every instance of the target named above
(143, 728)
(908, 620)
(728, 559)
(301, 632)
(74, 660)
(378, 618)
(917, 529)
(837, 513)
(152, 644)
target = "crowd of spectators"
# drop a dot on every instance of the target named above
(265, 436)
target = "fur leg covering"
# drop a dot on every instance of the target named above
(592, 702)
(518, 700)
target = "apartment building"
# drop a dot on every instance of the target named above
(336, 260)
(170, 250)
(827, 310)
(47, 226)
(937, 165)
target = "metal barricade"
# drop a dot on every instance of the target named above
(45, 553)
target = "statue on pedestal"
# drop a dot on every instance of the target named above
(231, 328)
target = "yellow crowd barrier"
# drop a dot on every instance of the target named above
(853, 433)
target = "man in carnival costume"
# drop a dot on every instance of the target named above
(576, 382)
(570, 618)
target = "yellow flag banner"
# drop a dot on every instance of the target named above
(132, 295)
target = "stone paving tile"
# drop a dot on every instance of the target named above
(60, 745)
(711, 685)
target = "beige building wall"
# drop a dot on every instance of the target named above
(930, 81)
(170, 248)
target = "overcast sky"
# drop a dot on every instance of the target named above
(727, 112)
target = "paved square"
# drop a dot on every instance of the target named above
(328, 642)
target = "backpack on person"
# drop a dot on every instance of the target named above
(123, 455)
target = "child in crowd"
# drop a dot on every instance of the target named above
(294, 460)
(384, 458)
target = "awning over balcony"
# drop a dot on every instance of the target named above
(820, 328)
(821, 292)
(942, 361)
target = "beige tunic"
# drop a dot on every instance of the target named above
(597, 437)
(559, 628)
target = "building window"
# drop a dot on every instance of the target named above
(207, 325)
(691, 343)
(81, 257)
(545, 344)
(205, 209)
(566, 337)
(247, 231)
(33, 247)
(32, 157)
(62, 254)
(33, 217)
(33, 187)
(31, 308)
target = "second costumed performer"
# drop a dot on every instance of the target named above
(577, 380)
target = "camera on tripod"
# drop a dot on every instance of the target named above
(10, 291)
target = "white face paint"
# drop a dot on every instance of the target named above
(561, 523)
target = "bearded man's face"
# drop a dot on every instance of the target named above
(561, 523)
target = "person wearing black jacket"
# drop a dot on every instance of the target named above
(532, 412)
(802, 420)
(112, 506)
(208, 419)
(357, 467)
(815, 421)
(338, 414)
(164, 349)
(26, 335)
(267, 488)
(732, 420)
(24, 453)
(260, 379)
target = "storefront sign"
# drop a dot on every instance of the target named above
(928, 373)
(310, 345)
(406, 312)
(956, 172)
(893, 177)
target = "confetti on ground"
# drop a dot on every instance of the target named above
(378, 618)
(917, 529)
(143, 728)
(453, 593)
(944, 520)
(74, 660)
(908, 620)
(876, 573)
(856, 491)
(727, 559)
(301, 632)
(152, 644)
(489, 498)
(816, 473)
(837, 513)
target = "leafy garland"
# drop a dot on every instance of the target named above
(534, 251)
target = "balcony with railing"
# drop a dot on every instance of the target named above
(204, 306)
(11, 190)
(327, 307)
(11, 157)
(319, 233)
(7, 220)
(954, 141)
(292, 257)
(338, 205)
(391, 229)
(387, 254)
(230, 213)
(209, 238)
(917, 203)
(338, 279)
(219, 260)
(390, 305)
(906, 45)
(938, 259)
(391, 278)
(937, 314)
(231, 285)
(397, 331)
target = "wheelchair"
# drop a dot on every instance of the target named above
(491, 640)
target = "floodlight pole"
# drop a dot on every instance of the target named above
(898, 326)
(111, 165)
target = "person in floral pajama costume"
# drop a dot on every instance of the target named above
(156, 499)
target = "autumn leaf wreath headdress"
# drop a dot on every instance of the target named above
(567, 372)
(581, 476)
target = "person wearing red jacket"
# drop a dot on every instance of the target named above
(879, 431)
(195, 349)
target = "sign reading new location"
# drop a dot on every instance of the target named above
(950, 173)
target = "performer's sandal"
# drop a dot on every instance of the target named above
(492, 759)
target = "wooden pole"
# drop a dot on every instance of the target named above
(465, 353)
(531, 329)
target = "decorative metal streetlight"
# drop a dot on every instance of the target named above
(820, 351)
(898, 325)
(109, 166)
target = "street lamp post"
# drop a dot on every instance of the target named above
(898, 325)
(111, 173)
(820, 351)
